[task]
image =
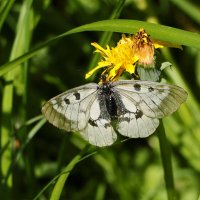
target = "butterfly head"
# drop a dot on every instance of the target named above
(105, 84)
(103, 78)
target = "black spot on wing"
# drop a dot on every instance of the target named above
(106, 125)
(77, 95)
(137, 87)
(126, 119)
(138, 114)
(151, 89)
(92, 122)
(67, 101)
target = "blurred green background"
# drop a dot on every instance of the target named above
(33, 152)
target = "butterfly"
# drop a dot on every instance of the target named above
(135, 108)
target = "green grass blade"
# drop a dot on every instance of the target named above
(62, 179)
(4, 10)
(57, 190)
(30, 136)
(65, 171)
(33, 120)
(184, 126)
(49, 184)
(156, 31)
(20, 46)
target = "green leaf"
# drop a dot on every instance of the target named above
(159, 32)
(30, 136)
(56, 193)
(5, 7)
(20, 45)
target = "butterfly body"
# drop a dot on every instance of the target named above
(105, 94)
(136, 106)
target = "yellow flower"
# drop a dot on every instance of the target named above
(144, 48)
(130, 51)
(115, 60)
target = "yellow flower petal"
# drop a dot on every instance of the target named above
(161, 44)
(101, 64)
(99, 49)
(157, 46)
(130, 68)
(92, 71)
(115, 73)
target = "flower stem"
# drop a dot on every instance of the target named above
(167, 162)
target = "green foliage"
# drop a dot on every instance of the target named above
(45, 49)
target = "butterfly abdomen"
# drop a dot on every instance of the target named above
(111, 106)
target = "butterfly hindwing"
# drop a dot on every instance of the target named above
(136, 127)
(70, 110)
(99, 131)
(132, 122)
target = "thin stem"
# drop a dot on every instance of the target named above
(165, 151)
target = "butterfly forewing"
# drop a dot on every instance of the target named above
(70, 110)
(155, 100)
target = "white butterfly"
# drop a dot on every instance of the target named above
(136, 106)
